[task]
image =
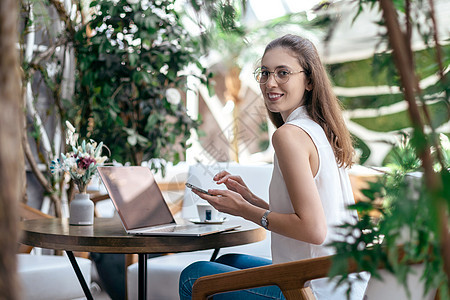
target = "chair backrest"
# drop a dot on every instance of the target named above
(257, 178)
(292, 276)
(27, 212)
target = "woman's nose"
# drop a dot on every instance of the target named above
(271, 81)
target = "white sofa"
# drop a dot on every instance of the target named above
(163, 272)
(50, 277)
(388, 288)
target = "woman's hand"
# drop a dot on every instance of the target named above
(235, 184)
(225, 201)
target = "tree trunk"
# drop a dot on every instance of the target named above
(11, 156)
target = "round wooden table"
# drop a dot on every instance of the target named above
(107, 235)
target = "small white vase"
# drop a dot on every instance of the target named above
(81, 210)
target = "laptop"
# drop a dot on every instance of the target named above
(141, 205)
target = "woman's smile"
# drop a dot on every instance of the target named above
(274, 96)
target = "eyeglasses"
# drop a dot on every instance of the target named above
(281, 75)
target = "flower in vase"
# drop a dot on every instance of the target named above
(82, 161)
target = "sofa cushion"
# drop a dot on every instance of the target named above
(49, 277)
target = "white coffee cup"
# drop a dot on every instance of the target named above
(206, 212)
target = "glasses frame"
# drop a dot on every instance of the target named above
(274, 72)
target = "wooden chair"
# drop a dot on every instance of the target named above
(289, 277)
(29, 213)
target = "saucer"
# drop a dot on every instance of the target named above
(197, 221)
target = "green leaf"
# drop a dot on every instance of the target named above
(133, 59)
(98, 150)
(132, 140)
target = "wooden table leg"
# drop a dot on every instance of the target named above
(76, 268)
(142, 276)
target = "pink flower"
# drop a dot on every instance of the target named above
(84, 162)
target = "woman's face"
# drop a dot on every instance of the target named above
(285, 97)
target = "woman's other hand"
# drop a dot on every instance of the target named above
(235, 184)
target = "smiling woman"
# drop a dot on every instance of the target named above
(281, 93)
(11, 160)
(310, 187)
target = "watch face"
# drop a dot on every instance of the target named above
(264, 222)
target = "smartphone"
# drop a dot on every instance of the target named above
(193, 187)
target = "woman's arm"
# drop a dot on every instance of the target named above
(299, 162)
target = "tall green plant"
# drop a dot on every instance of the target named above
(128, 57)
(406, 217)
(129, 61)
(416, 209)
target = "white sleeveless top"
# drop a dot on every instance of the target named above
(333, 185)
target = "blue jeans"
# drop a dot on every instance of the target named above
(228, 263)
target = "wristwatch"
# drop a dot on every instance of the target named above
(264, 221)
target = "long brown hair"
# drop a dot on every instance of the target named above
(321, 103)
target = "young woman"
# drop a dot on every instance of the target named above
(310, 187)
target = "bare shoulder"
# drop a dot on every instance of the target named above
(291, 136)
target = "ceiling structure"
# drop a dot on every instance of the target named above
(352, 40)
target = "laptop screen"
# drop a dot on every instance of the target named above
(136, 196)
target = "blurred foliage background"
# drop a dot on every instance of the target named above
(119, 70)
